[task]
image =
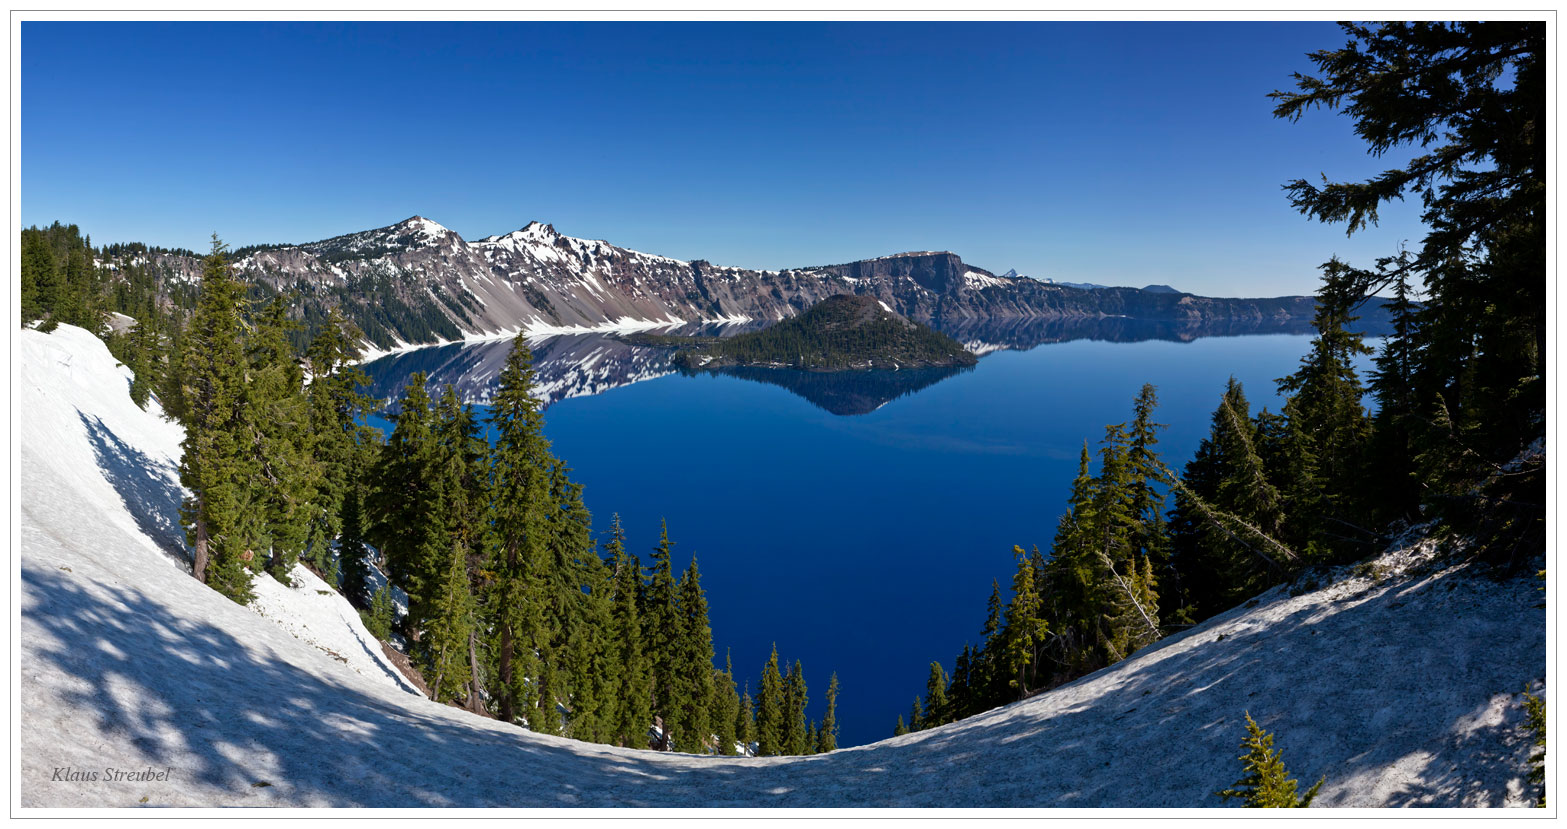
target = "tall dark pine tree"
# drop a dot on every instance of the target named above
(1392, 450)
(215, 466)
(519, 510)
(278, 434)
(631, 712)
(1324, 408)
(1228, 516)
(661, 627)
(771, 711)
(343, 445)
(352, 553)
(795, 700)
(725, 708)
(403, 505)
(937, 710)
(1472, 96)
(690, 719)
(827, 738)
(745, 721)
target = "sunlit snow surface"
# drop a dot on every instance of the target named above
(1402, 690)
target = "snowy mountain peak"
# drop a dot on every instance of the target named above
(1010, 274)
(421, 227)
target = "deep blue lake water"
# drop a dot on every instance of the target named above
(859, 543)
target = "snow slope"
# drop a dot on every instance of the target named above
(1399, 684)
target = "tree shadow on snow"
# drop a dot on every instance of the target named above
(186, 693)
(146, 487)
(229, 714)
(1363, 694)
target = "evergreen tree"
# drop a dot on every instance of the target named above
(518, 558)
(936, 703)
(1324, 406)
(631, 714)
(827, 738)
(771, 711)
(661, 627)
(745, 720)
(1473, 96)
(353, 555)
(1227, 516)
(404, 509)
(447, 628)
(215, 466)
(1534, 709)
(342, 442)
(277, 431)
(40, 281)
(725, 708)
(379, 619)
(962, 695)
(690, 719)
(900, 729)
(916, 716)
(796, 740)
(1265, 784)
(1025, 629)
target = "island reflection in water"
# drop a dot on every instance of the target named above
(575, 365)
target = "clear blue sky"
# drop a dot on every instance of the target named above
(1116, 153)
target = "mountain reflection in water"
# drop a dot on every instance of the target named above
(574, 365)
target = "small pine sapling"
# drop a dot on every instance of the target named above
(1534, 707)
(1266, 784)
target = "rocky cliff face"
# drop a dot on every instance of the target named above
(418, 282)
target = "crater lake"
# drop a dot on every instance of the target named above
(857, 519)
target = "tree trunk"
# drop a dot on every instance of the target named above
(475, 702)
(508, 704)
(199, 564)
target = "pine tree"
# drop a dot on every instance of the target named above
(771, 712)
(1265, 784)
(353, 555)
(916, 716)
(725, 708)
(690, 720)
(518, 559)
(1534, 709)
(447, 627)
(633, 692)
(1025, 630)
(962, 696)
(215, 466)
(1472, 94)
(1228, 516)
(382, 610)
(937, 711)
(827, 738)
(40, 281)
(796, 741)
(900, 729)
(277, 431)
(1324, 405)
(403, 504)
(336, 409)
(661, 627)
(745, 721)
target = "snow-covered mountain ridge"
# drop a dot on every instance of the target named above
(417, 282)
(1398, 682)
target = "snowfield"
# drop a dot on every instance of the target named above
(1400, 683)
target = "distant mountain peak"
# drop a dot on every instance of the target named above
(1160, 289)
(422, 226)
